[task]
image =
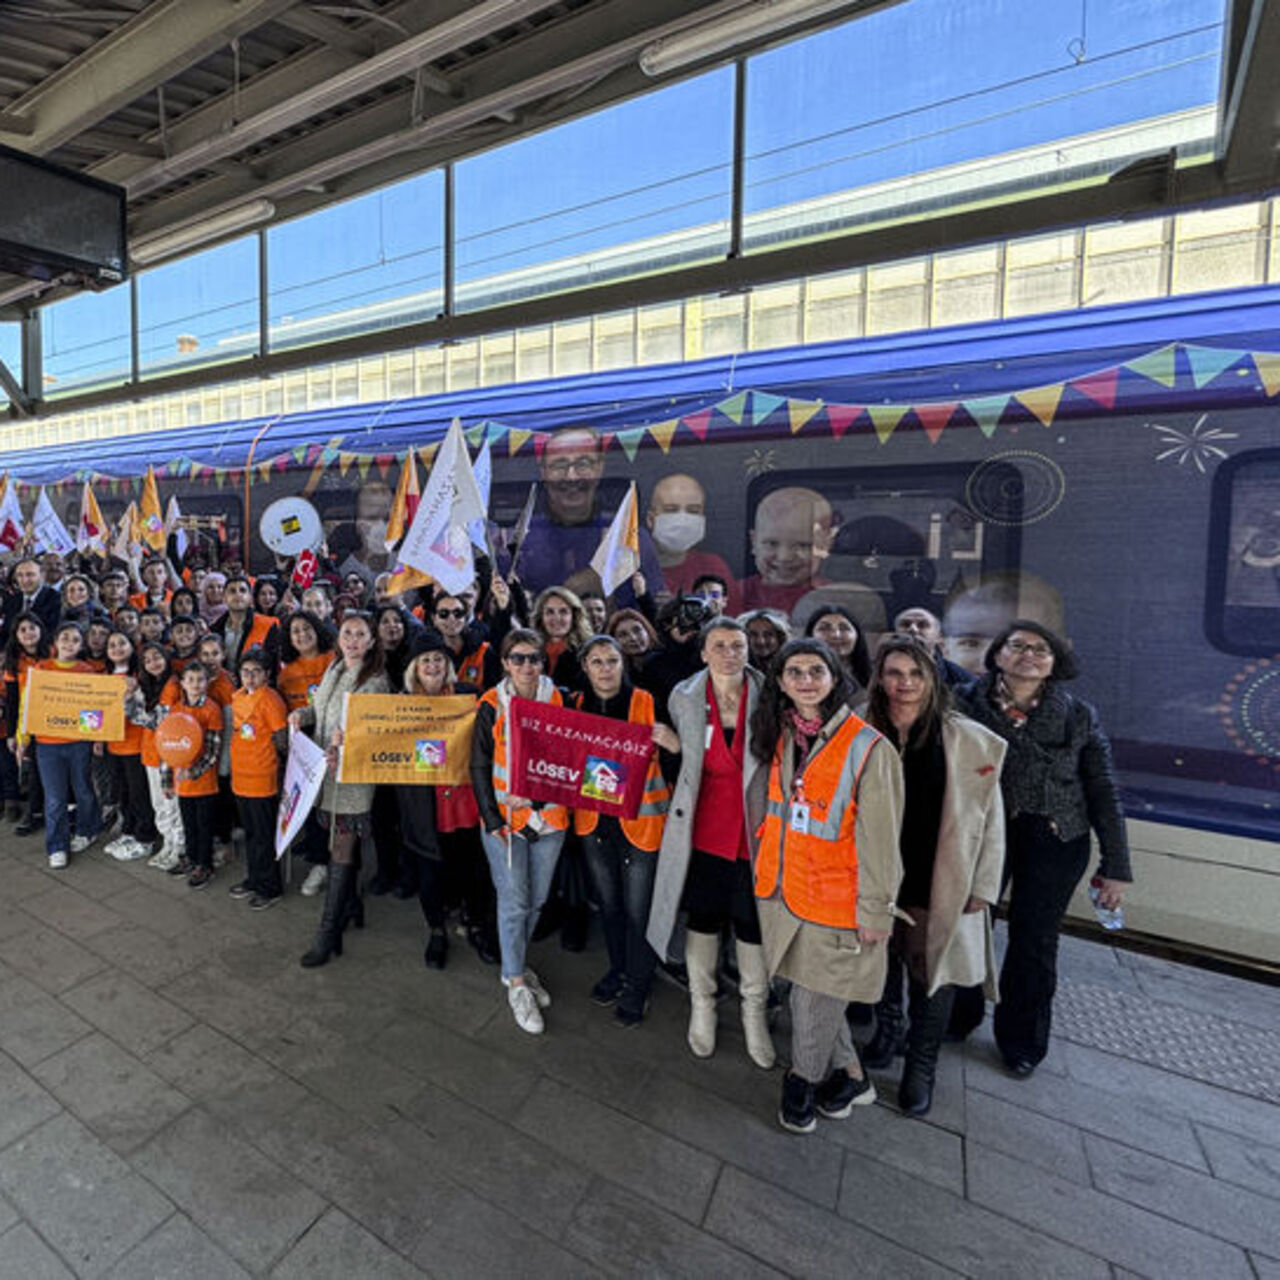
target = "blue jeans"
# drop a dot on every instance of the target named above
(522, 888)
(66, 772)
(623, 879)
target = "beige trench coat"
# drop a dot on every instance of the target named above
(958, 948)
(833, 962)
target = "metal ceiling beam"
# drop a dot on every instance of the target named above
(162, 41)
(473, 23)
(1249, 111)
(1140, 193)
(574, 54)
(337, 35)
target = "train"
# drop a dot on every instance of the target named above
(1114, 472)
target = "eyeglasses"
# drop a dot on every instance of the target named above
(562, 467)
(525, 659)
(451, 613)
(1035, 650)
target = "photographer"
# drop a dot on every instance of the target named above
(679, 652)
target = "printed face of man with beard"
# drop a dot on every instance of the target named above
(571, 467)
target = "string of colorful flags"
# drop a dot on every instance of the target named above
(1191, 365)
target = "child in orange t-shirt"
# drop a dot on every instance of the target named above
(212, 653)
(196, 785)
(259, 728)
(156, 693)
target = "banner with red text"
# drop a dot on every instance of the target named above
(578, 760)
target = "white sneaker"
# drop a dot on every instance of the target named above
(119, 843)
(59, 860)
(80, 843)
(316, 880)
(524, 1008)
(221, 853)
(166, 859)
(131, 852)
(540, 994)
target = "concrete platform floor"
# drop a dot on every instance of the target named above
(179, 1099)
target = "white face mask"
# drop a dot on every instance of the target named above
(678, 531)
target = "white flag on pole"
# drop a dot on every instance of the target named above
(303, 777)
(439, 541)
(11, 524)
(172, 515)
(617, 558)
(50, 534)
(483, 471)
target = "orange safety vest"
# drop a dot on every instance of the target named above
(645, 829)
(471, 668)
(556, 816)
(818, 867)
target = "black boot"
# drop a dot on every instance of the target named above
(891, 1022)
(929, 1016)
(354, 912)
(329, 937)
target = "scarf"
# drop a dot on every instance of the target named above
(804, 731)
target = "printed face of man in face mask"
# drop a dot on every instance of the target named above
(677, 517)
(792, 536)
(571, 467)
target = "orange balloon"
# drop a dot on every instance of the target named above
(179, 739)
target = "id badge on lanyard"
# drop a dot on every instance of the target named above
(799, 813)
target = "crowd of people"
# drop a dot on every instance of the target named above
(823, 821)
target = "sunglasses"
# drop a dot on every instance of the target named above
(525, 659)
(451, 613)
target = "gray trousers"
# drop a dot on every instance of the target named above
(820, 1039)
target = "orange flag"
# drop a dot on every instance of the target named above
(151, 513)
(92, 533)
(405, 505)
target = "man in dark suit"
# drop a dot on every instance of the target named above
(31, 595)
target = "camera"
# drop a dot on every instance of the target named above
(688, 614)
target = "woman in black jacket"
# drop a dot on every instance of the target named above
(1057, 785)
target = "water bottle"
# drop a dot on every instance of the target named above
(1110, 918)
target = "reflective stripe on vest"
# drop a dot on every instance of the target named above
(818, 868)
(555, 816)
(644, 831)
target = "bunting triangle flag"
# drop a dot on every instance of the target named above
(427, 454)
(934, 418)
(1042, 402)
(300, 454)
(264, 470)
(516, 440)
(735, 407)
(630, 441)
(663, 432)
(344, 463)
(475, 435)
(1100, 387)
(1208, 362)
(840, 417)
(699, 423)
(151, 513)
(405, 502)
(802, 411)
(986, 412)
(1267, 364)
(885, 418)
(1159, 366)
(762, 405)
(540, 441)
(363, 464)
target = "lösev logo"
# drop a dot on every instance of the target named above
(430, 753)
(605, 780)
(90, 720)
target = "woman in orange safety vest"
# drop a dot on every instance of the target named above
(826, 871)
(622, 853)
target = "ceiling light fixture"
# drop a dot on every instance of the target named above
(752, 22)
(167, 244)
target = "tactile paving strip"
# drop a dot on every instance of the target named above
(1231, 1055)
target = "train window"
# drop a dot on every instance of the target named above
(1242, 597)
(875, 539)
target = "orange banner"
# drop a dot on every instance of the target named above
(398, 740)
(74, 704)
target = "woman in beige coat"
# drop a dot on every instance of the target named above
(952, 848)
(826, 871)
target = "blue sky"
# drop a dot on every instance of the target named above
(921, 84)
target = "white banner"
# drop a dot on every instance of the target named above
(303, 776)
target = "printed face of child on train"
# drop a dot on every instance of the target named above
(792, 536)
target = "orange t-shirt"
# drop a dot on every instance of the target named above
(142, 600)
(221, 689)
(208, 715)
(299, 679)
(255, 765)
(52, 664)
(170, 696)
(131, 743)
